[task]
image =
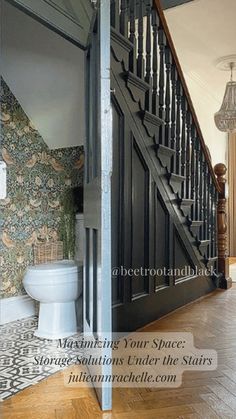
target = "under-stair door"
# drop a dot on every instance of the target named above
(97, 198)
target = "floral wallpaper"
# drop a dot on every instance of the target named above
(36, 179)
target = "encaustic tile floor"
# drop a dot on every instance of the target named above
(21, 362)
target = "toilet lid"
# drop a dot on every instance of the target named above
(59, 267)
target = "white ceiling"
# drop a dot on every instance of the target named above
(203, 31)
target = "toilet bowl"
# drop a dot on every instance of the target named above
(56, 286)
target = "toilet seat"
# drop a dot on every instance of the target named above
(60, 271)
(53, 268)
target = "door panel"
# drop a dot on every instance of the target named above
(117, 200)
(97, 199)
(139, 221)
(161, 244)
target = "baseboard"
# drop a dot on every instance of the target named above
(232, 271)
(16, 308)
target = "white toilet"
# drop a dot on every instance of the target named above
(56, 286)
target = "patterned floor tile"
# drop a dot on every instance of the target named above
(18, 348)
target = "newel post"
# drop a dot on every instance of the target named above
(223, 260)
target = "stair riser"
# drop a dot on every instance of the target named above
(165, 155)
(175, 183)
(136, 87)
(195, 230)
(203, 249)
(120, 47)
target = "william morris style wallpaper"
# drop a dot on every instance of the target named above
(36, 179)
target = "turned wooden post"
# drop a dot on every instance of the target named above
(223, 260)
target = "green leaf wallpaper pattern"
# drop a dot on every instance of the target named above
(36, 180)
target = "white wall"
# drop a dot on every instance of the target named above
(205, 106)
(203, 31)
(46, 74)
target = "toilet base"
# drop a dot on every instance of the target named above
(56, 320)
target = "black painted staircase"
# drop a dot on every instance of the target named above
(151, 93)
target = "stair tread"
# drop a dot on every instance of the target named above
(135, 80)
(152, 119)
(151, 122)
(186, 202)
(165, 149)
(196, 223)
(175, 176)
(204, 242)
(121, 39)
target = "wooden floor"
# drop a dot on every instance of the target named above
(202, 395)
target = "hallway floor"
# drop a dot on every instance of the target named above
(18, 349)
(209, 394)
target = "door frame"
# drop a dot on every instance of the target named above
(97, 297)
(105, 134)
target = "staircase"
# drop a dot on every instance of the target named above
(153, 112)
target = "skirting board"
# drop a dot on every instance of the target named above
(232, 272)
(16, 308)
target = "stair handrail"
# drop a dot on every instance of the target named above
(157, 5)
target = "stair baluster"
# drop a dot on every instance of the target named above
(212, 220)
(214, 250)
(162, 45)
(140, 59)
(173, 114)
(132, 37)
(168, 62)
(123, 18)
(201, 215)
(148, 56)
(205, 187)
(155, 23)
(209, 226)
(193, 171)
(115, 22)
(178, 126)
(183, 139)
(197, 202)
(188, 154)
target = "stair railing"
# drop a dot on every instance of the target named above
(153, 59)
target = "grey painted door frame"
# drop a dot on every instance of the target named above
(97, 200)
